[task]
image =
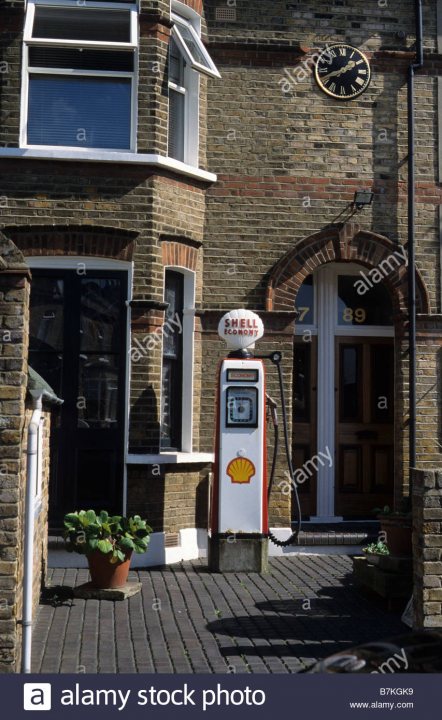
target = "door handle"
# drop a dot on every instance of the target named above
(367, 435)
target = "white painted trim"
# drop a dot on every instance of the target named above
(178, 8)
(326, 392)
(71, 262)
(191, 116)
(90, 4)
(47, 262)
(327, 329)
(192, 545)
(171, 458)
(129, 158)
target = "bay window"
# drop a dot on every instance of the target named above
(79, 74)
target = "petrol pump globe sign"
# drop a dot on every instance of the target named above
(240, 329)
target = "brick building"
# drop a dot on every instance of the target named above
(164, 162)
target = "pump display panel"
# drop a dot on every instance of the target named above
(242, 376)
(242, 407)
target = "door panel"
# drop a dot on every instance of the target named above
(364, 425)
(78, 345)
(304, 418)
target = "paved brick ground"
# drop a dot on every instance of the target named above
(189, 620)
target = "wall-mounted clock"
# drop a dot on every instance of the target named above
(342, 71)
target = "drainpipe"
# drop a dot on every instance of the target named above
(31, 479)
(28, 570)
(416, 65)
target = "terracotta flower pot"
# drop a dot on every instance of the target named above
(398, 535)
(105, 574)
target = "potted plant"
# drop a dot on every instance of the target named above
(396, 527)
(108, 543)
(375, 552)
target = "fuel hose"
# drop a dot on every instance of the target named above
(276, 358)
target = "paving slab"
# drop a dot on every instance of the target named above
(186, 619)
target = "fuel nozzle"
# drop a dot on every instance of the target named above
(272, 410)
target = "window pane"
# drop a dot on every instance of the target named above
(176, 125)
(176, 64)
(79, 112)
(192, 45)
(301, 383)
(360, 304)
(100, 310)
(305, 303)
(46, 316)
(172, 371)
(97, 391)
(173, 295)
(350, 386)
(82, 24)
(382, 369)
(55, 57)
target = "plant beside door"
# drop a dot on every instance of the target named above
(396, 527)
(108, 543)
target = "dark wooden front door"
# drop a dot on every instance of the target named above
(78, 345)
(364, 425)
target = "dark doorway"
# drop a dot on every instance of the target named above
(78, 345)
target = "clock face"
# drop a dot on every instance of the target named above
(342, 71)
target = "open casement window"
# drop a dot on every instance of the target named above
(187, 59)
(79, 74)
(192, 48)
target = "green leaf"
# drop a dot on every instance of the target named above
(91, 517)
(126, 543)
(121, 556)
(104, 546)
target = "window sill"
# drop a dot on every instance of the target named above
(170, 458)
(128, 158)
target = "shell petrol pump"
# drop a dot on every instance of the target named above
(238, 514)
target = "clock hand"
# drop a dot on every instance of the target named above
(336, 73)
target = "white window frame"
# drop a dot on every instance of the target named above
(191, 88)
(211, 70)
(29, 41)
(189, 291)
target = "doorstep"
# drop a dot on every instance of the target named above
(341, 533)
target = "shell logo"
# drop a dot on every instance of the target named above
(240, 470)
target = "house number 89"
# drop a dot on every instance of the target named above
(359, 315)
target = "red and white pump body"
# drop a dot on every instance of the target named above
(240, 473)
(239, 490)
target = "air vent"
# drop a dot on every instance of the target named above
(225, 14)
(171, 540)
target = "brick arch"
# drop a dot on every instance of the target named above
(339, 243)
(180, 252)
(82, 240)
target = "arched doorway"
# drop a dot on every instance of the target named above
(343, 399)
(339, 346)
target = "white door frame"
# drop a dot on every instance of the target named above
(326, 329)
